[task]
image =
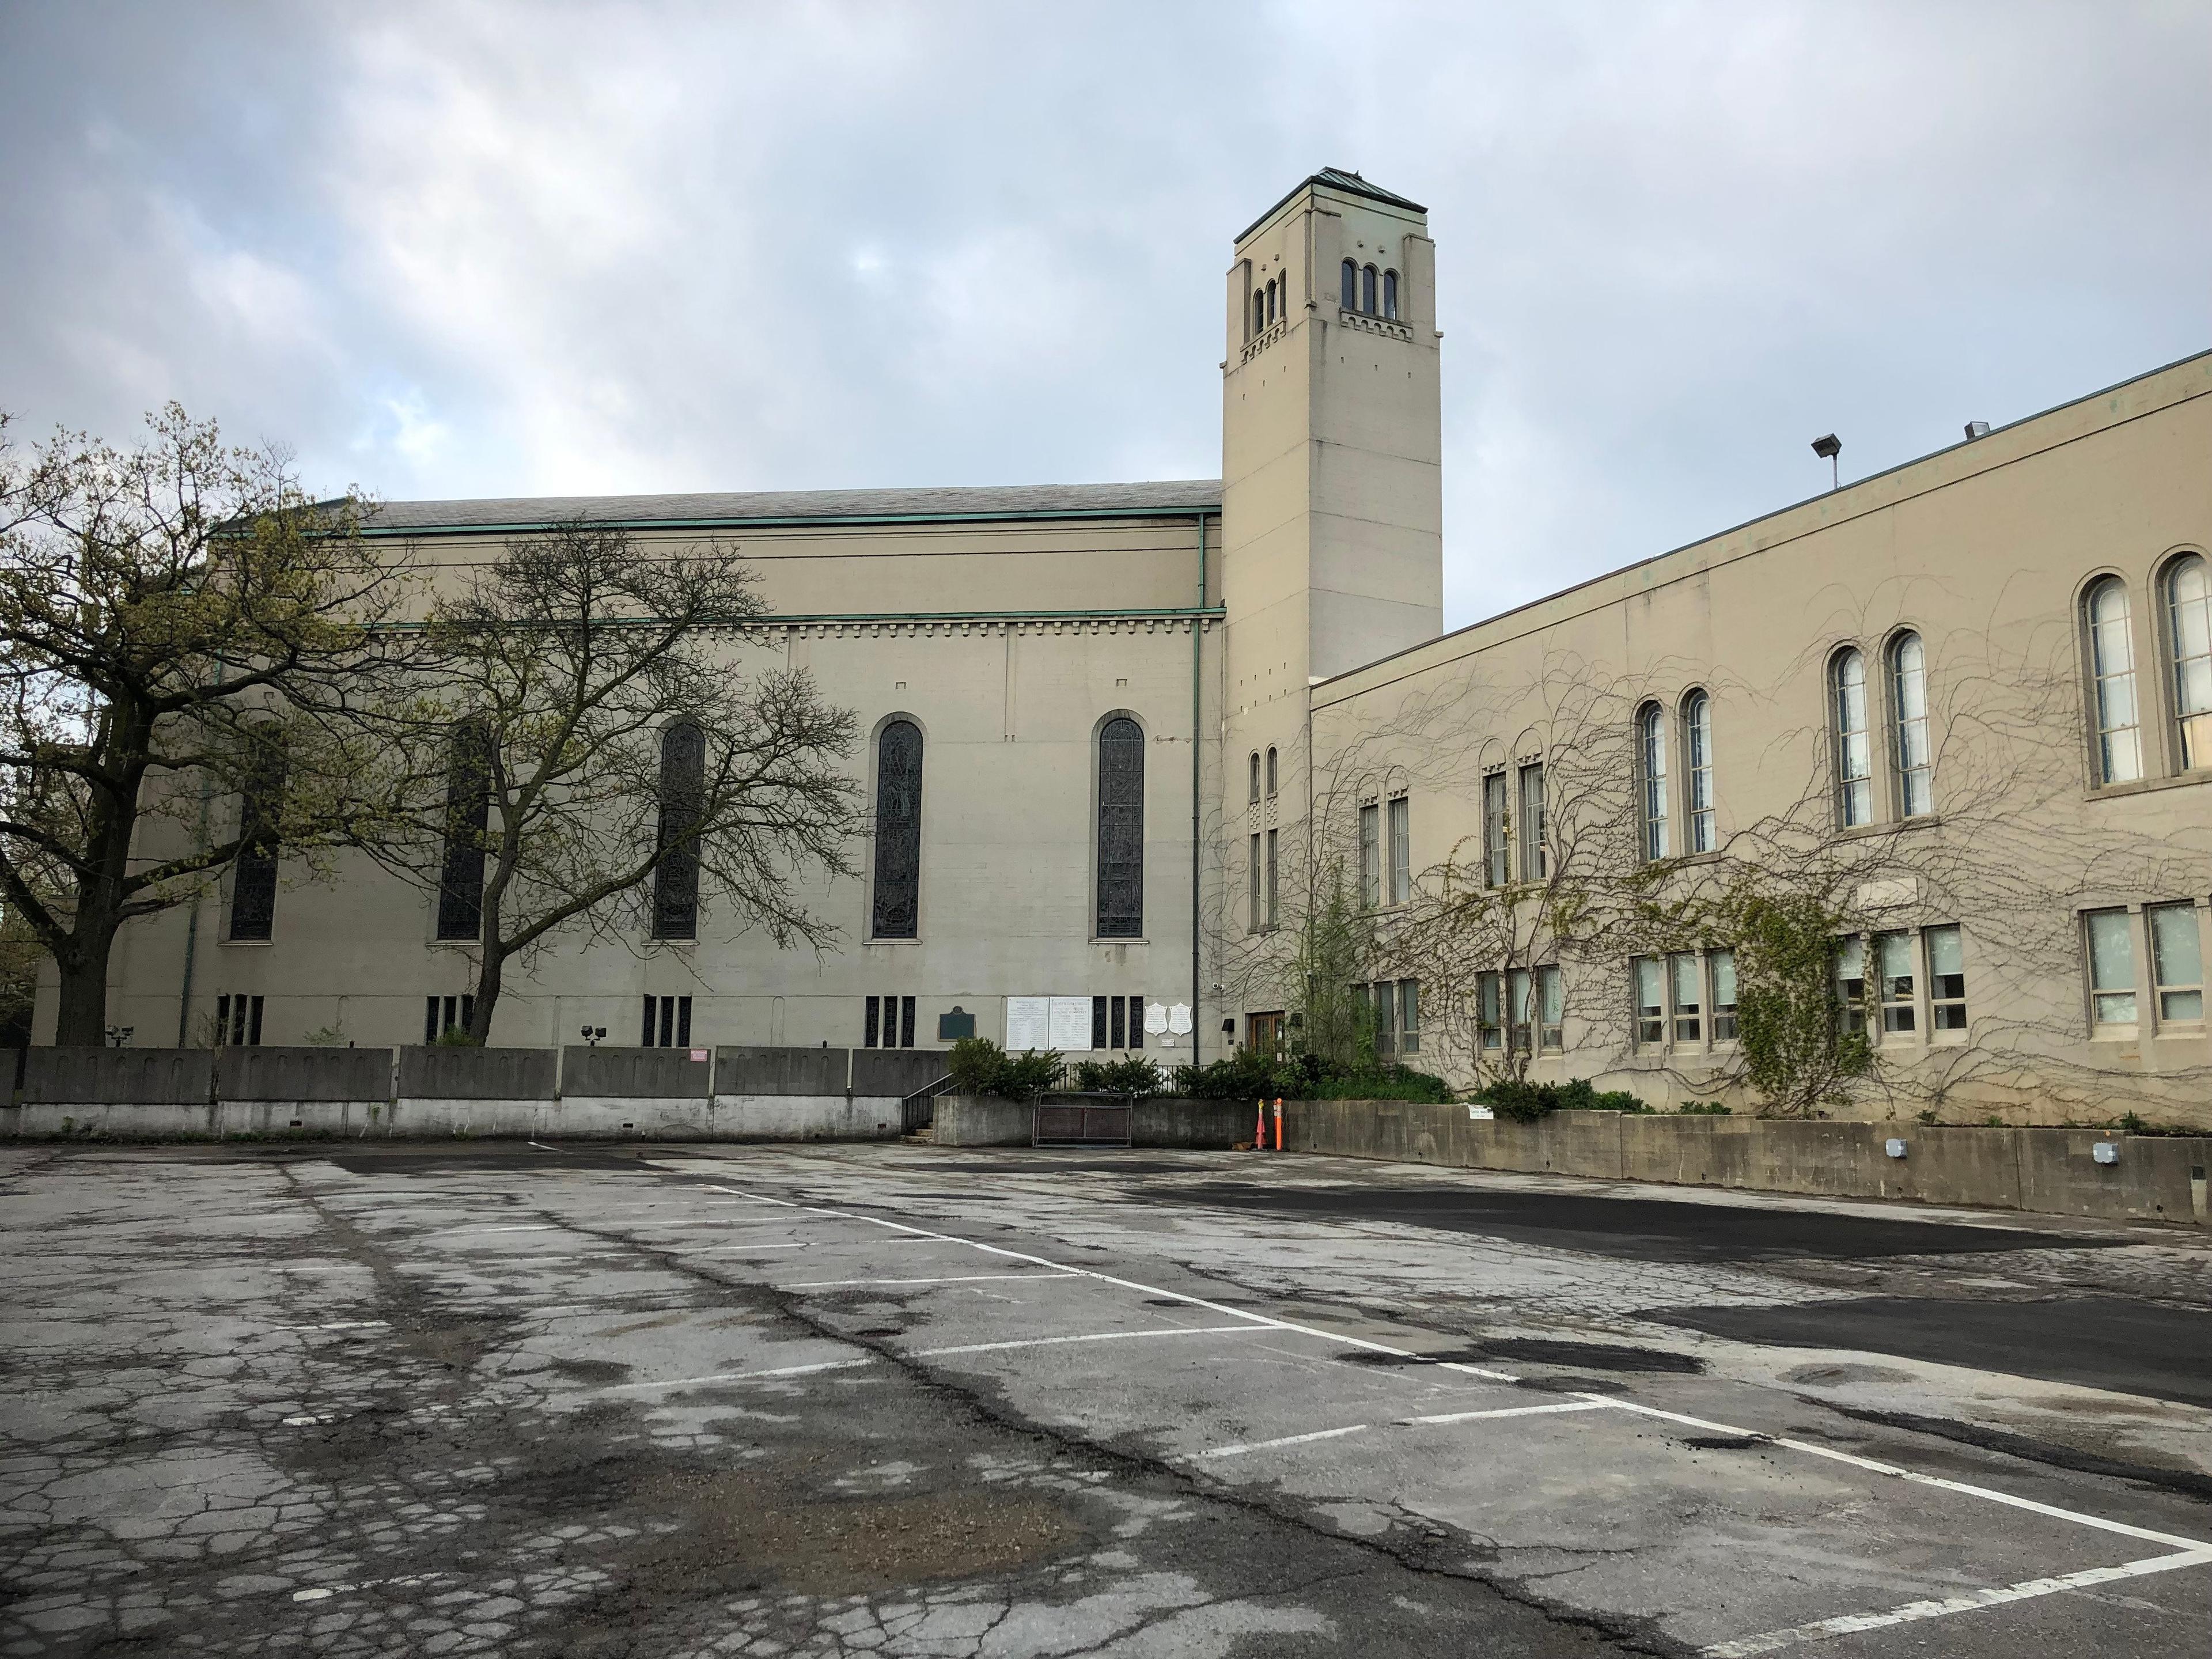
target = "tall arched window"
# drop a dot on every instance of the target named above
(1351, 295)
(2188, 620)
(676, 880)
(1854, 757)
(2112, 674)
(468, 815)
(1271, 772)
(896, 913)
(1698, 747)
(1271, 305)
(1908, 715)
(1258, 312)
(1252, 792)
(1651, 756)
(1390, 294)
(1367, 291)
(1122, 829)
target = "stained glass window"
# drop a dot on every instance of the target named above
(253, 879)
(468, 815)
(898, 832)
(1121, 830)
(676, 881)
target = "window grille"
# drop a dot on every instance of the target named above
(444, 1014)
(2112, 670)
(898, 907)
(676, 878)
(1908, 702)
(2176, 964)
(2112, 968)
(1652, 750)
(468, 816)
(2188, 613)
(888, 1022)
(1854, 755)
(253, 875)
(1698, 743)
(1533, 855)
(1122, 829)
(238, 1022)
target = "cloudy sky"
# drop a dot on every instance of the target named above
(481, 248)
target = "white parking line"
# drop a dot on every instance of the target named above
(1558, 1409)
(1098, 1336)
(324, 1592)
(738, 1376)
(1287, 1440)
(340, 1325)
(1584, 1404)
(1744, 1647)
(968, 1279)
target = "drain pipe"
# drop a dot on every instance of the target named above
(1197, 676)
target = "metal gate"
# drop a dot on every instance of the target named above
(1081, 1123)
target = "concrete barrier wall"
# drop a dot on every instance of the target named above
(302, 1074)
(104, 1077)
(2156, 1177)
(896, 1072)
(1192, 1125)
(442, 1071)
(782, 1071)
(981, 1121)
(634, 1074)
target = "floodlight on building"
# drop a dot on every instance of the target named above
(1827, 449)
(1977, 430)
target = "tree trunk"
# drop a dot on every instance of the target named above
(82, 1011)
(491, 967)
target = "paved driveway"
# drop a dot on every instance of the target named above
(515, 1399)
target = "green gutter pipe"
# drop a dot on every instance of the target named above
(1197, 677)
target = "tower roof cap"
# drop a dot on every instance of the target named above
(1336, 178)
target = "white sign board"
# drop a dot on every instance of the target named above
(1027, 1024)
(1071, 1024)
(1156, 1019)
(1479, 1113)
(1179, 1018)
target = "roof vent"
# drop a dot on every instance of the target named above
(1977, 430)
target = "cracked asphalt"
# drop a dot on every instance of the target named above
(510, 1398)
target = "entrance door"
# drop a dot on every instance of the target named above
(1263, 1033)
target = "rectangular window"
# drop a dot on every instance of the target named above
(1519, 1013)
(2178, 963)
(1371, 854)
(1275, 885)
(1402, 851)
(1947, 980)
(667, 1023)
(1723, 963)
(1252, 885)
(1498, 868)
(868, 1024)
(1899, 988)
(1851, 984)
(1533, 857)
(1487, 991)
(1116, 1029)
(444, 1014)
(1551, 1008)
(1098, 1021)
(1409, 1017)
(906, 1021)
(1136, 1022)
(1688, 975)
(1651, 1001)
(1386, 1018)
(237, 1021)
(2112, 967)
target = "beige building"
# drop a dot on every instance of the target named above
(1969, 701)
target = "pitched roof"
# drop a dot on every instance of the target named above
(1336, 178)
(702, 509)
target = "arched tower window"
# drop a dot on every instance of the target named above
(1258, 312)
(2189, 621)
(468, 815)
(1120, 908)
(676, 880)
(1651, 756)
(1908, 714)
(1351, 295)
(897, 909)
(1271, 773)
(1252, 789)
(1390, 294)
(2113, 676)
(1698, 761)
(1854, 755)
(1367, 291)
(1271, 305)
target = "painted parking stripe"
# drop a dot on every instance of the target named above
(324, 1592)
(1286, 1440)
(965, 1279)
(737, 1376)
(1560, 1408)
(1096, 1336)
(1745, 1647)
(1563, 1407)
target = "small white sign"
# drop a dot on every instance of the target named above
(1479, 1113)
(1028, 1023)
(699, 1056)
(1156, 1019)
(1071, 1024)
(1179, 1019)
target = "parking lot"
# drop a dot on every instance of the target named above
(659, 1400)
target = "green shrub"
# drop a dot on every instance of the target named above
(1132, 1076)
(979, 1067)
(1704, 1109)
(1524, 1102)
(1381, 1083)
(1244, 1075)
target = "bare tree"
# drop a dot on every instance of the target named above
(179, 622)
(584, 752)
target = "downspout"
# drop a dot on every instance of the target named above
(1197, 646)
(193, 926)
